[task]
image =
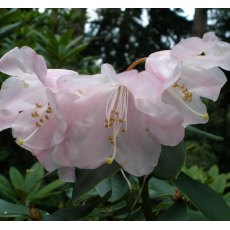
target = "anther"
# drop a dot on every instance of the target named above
(47, 117)
(111, 140)
(112, 119)
(25, 85)
(123, 130)
(147, 130)
(41, 120)
(35, 114)
(38, 105)
(185, 90)
(38, 124)
(121, 120)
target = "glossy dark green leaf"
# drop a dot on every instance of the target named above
(8, 209)
(196, 215)
(158, 188)
(49, 188)
(76, 212)
(17, 179)
(72, 213)
(205, 134)
(119, 187)
(177, 212)
(6, 189)
(34, 174)
(87, 179)
(116, 183)
(203, 197)
(170, 162)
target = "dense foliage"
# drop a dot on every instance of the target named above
(69, 38)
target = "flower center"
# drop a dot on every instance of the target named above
(116, 116)
(41, 115)
(181, 93)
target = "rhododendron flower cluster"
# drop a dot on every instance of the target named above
(68, 120)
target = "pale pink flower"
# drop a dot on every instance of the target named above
(119, 117)
(190, 71)
(24, 103)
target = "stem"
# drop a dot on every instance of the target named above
(137, 62)
(146, 203)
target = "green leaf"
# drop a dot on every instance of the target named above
(17, 179)
(34, 174)
(226, 198)
(219, 183)
(73, 213)
(6, 189)
(205, 134)
(9, 28)
(46, 190)
(116, 183)
(77, 212)
(87, 179)
(158, 188)
(8, 209)
(213, 171)
(196, 215)
(170, 162)
(119, 187)
(207, 200)
(177, 212)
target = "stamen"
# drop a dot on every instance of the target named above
(205, 116)
(126, 179)
(117, 105)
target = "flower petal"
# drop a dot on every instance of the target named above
(23, 62)
(163, 67)
(137, 150)
(67, 174)
(163, 120)
(190, 47)
(34, 133)
(88, 145)
(45, 158)
(206, 83)
(194, 112)
(142, 85)
(54, 74)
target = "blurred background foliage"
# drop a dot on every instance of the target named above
(75, 39)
